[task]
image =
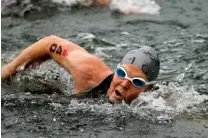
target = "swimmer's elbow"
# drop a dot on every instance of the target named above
(51, 38)
(47, 41)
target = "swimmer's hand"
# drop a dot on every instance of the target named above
(7, 71)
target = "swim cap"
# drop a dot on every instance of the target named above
(146, 59)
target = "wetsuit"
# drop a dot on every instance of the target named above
(99, 91)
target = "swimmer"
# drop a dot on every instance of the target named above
(123, 6)
(136, 72)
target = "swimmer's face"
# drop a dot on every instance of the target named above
(123, 89)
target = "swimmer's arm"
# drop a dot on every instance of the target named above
(48, 47)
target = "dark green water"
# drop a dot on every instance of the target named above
(178, 109)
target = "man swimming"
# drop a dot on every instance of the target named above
(135, 73)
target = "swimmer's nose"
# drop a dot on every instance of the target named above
(125, 84)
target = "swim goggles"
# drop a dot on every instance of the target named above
(136, 81)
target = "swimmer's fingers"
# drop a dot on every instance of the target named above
(7, 71)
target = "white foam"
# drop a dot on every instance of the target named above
(126, 6)
(74, 2)
(142, 6)
(65, 2)
(85, 36)
(169, 101)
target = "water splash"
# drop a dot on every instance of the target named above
(74, 2)
(141, 6)
(168, 102)
(182, 75)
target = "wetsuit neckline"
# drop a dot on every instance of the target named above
(99, 91)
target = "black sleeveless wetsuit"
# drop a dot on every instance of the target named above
(99, 91)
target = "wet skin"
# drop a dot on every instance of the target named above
(123, 89)
(78, 62)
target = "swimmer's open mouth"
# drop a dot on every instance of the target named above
(118, 93)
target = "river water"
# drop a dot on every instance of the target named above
(179, 108)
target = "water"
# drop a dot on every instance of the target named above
(179, 108)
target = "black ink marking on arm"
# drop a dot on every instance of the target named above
(53, 47)
(59, 50)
